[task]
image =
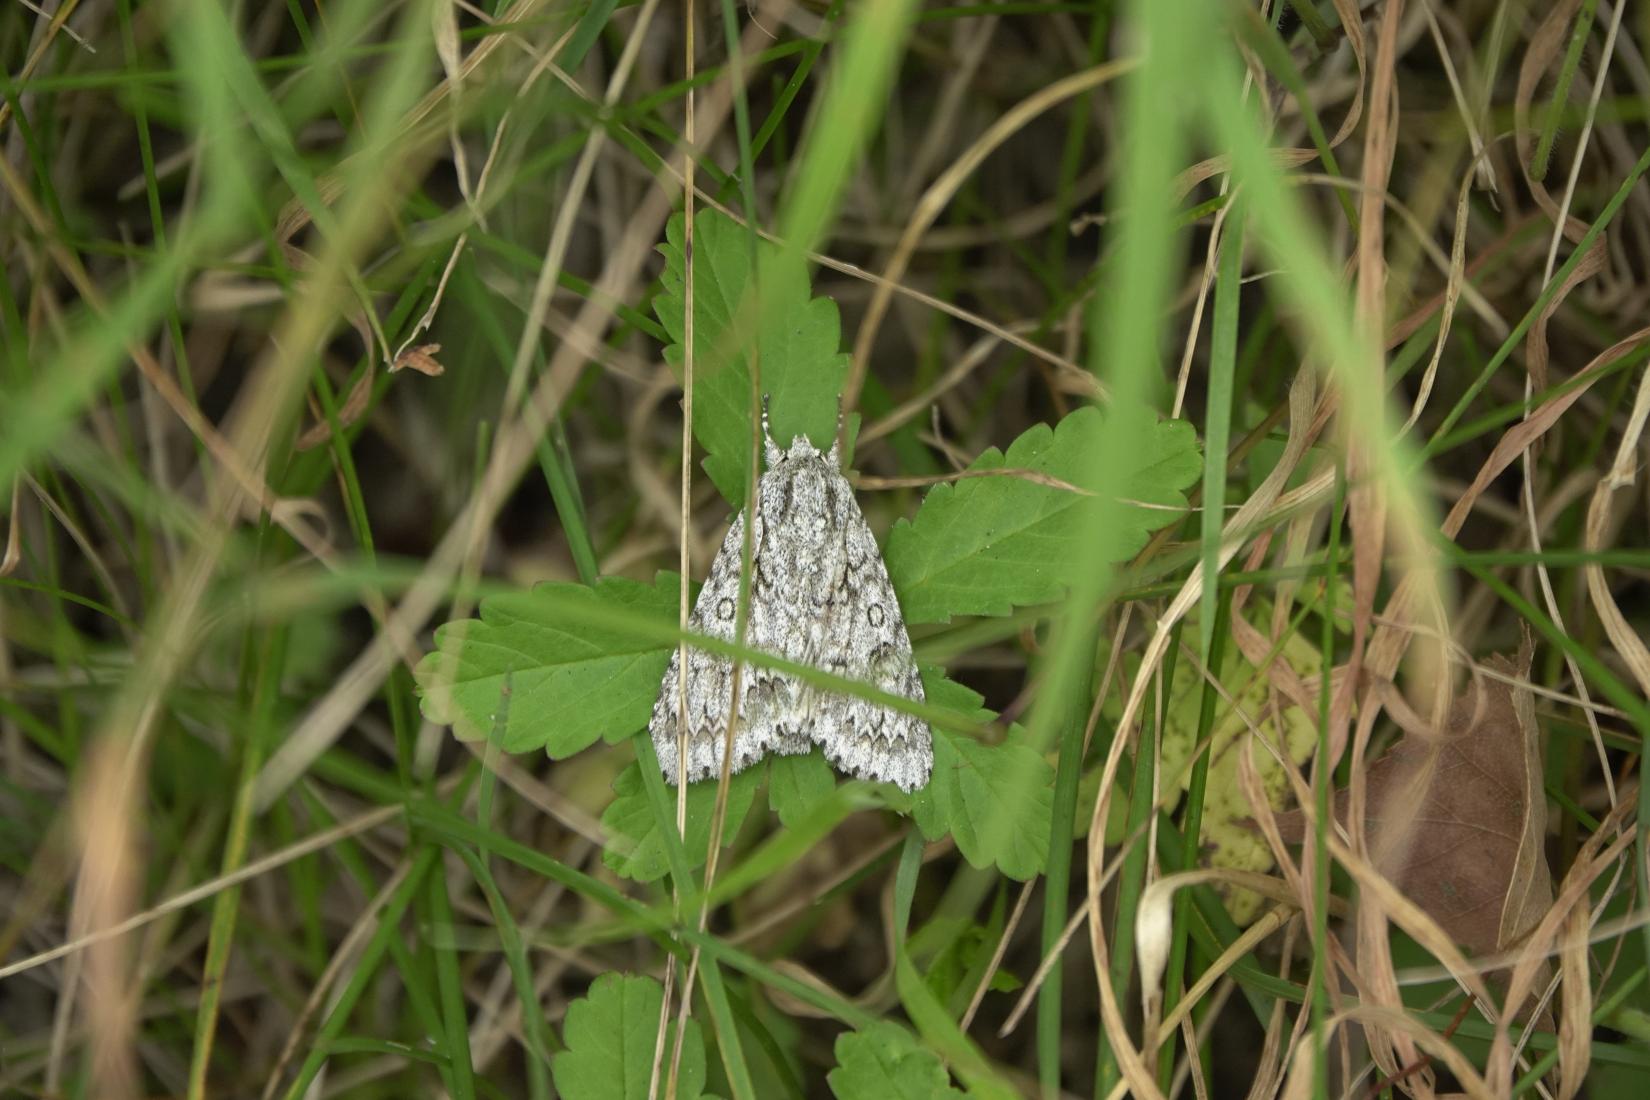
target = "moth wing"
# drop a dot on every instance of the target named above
(865, 639)
(766, 696)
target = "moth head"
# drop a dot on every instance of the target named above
(772, 453)
(807, 490)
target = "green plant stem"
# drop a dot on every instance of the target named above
(1541, 160)
(366, 968)
(1196, 788)
(269, 664)
(1068, 774)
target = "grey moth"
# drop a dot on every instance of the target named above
(819, 596)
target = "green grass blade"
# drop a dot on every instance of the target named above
(861, 73)
(270, 663)
(1217, 417)
(1056, 887)
(1214, 659)
(454, 1040)
(1541, 160)
(366, 968)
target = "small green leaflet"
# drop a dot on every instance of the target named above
(965, 954)
(635, 849)
(796, 784)
(611, 1033)
(942, 1033)
(800, 340)
(995, 800)
(884, 1062)
(985, 545)
(578, 669)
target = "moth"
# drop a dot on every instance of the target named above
(819, 596)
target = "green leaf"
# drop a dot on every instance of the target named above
(800, 341)
(994, 800)
(984, 545)
(966, 951)
(611, 1033)
(941, 1032)
(635, 849)
(796, 784)
(884, 1062)
(572, 680)
(1256, 710)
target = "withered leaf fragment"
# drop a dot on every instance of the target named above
(421, 359)
(1458, 821)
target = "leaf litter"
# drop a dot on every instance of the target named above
(1457, 819)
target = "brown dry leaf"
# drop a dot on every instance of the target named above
(421, 359)
(1458, 821)
(1544, 49)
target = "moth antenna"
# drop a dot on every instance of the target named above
(770, 448)
(835, 453)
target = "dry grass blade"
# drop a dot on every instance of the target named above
(14, 531)
(1368, 505)
(1153, 923)
(690, 136)
(1446, 312)
(1389, 642)
(106, 889)
(1575, 1033)
(1304, 426)
(1545, 46)
(939, 193)
(1397, 1022)
(1532, 966)
(1035, 477)
(1071, 373)
(1241, 947)
(336, 966)
(223, 450)
(206, 890)
(1627, 640)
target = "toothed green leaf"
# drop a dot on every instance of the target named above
(885, 1062)
(575, 669)
(637, 851)
(985, 545)
(800, 341)
(612, 1033)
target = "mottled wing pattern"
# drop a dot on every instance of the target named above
(763, 691)
(819, 596)
(866, 640)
